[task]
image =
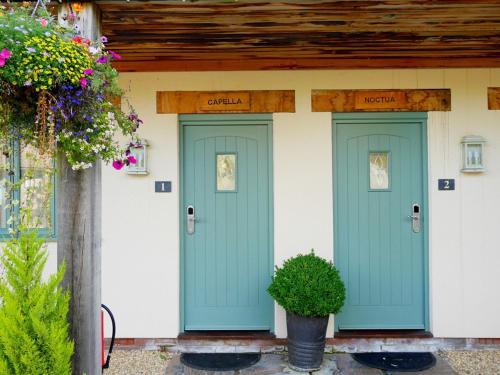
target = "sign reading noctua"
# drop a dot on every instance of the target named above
(423, 100)
(253, 101)
(380, 99)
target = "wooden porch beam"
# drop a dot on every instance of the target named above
(79, 237)
(173, 65)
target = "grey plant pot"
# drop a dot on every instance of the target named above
(306, 341)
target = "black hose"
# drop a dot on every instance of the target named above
(108, 358)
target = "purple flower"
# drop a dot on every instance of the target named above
(88, 72)
(132, 159)
(114, 55)
(102, 60)
(83, 82)
(104, 39)
(118, 164)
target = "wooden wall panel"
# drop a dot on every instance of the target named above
(494, 98)
(302, 34)
(381, 100)
(261, 101)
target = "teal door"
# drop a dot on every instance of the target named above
(380, 227)
(227, 225)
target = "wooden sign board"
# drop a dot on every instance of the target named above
(256, 101)
(494, 98)
(381, 100)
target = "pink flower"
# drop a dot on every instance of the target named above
(44, 22)
(83, 82)
(132, 159)
(114, 55)
(5, 54)
(118, 164)
(88, 72)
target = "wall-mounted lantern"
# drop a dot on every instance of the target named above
(140, 153)
(472, 153)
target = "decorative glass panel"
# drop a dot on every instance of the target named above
(379, 170)
(226, 172)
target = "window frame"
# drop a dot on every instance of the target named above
(14, 176)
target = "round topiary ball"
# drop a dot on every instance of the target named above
(308, 285)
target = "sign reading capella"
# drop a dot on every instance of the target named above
(224, 101)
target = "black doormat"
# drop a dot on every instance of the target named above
(220, 361)
(395, 361)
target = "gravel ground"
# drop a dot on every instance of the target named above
(136, 362)
(474, 362)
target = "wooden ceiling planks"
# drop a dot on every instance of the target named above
(256, 34)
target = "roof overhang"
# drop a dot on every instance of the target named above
(206, 35)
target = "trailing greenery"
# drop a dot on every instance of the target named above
(308, 285)
(57, 89)
(33, 313)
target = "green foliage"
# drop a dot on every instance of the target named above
(33, 313)
(308, 285)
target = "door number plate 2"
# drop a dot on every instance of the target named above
(446, 184)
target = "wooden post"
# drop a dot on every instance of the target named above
(79, 238)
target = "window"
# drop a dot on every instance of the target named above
(226, 172)
(37, 187)
(379, 170)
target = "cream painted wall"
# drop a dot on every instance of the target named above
(141, 228)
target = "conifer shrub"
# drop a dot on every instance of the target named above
(33, 313)
(308, 285)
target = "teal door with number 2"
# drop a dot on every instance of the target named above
(380, 211)
(226, 223)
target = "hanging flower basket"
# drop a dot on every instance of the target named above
(56, 89)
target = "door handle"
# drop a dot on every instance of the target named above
(190, 219)
(415, 217)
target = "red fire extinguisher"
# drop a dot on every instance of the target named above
(105, 363)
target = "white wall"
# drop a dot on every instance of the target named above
(141, 228)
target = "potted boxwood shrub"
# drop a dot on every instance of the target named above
(309, 288)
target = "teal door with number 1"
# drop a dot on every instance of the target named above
(380, 219)
(226, 222)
